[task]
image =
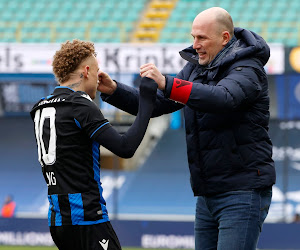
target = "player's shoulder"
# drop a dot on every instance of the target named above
(48, 101)
(81, 97)
(82, 101)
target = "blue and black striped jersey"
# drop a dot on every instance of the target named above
(66, 124)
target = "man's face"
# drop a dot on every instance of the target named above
(208, 42)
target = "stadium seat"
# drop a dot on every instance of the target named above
(259, 16)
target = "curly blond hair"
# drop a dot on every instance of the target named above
(68, 58)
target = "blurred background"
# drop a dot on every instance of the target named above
(149, 198)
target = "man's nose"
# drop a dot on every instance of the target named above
(196, 45)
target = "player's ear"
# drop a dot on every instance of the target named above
(86, 70)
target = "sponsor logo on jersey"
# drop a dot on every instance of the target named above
(104, 244)
(51, 101)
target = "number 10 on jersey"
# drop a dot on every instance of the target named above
(45, 133)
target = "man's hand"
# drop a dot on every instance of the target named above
(149, 70)
(105, 84)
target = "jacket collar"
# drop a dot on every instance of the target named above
(222, 53)
(63, 89)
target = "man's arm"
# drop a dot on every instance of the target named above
(125, 145)
(126, 98)
(241, 86)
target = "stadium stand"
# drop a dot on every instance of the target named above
(267, 18)
(165, 21)
(153, 20)
(105, 21)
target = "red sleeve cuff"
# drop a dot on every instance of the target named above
(181, 90)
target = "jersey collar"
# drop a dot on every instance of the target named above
(64, 87)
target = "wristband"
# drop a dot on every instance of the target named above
(181, 90)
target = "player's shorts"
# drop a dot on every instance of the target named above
(90, 237)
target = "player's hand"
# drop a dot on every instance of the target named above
(148, 88)
(105, 84)
(149, 70)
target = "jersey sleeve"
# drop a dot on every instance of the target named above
(88, 116)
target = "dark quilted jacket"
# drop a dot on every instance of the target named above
(226, 116)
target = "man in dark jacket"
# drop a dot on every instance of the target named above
(224, 92)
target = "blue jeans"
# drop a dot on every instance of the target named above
(231, 220)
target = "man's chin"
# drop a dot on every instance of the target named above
(202, 62)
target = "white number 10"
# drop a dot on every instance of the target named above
(48, 156)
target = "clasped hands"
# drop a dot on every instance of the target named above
(150, 70)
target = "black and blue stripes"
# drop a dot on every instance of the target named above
(79, 208)
(71, 209)
(96, 168)
(77, 212)
(54, 214)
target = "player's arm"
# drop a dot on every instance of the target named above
(125, 145)
(126, 98)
